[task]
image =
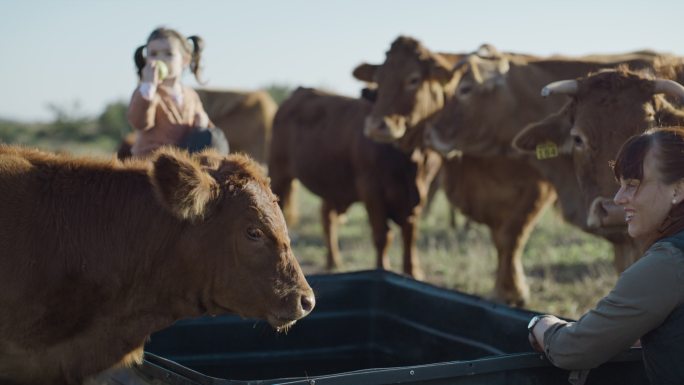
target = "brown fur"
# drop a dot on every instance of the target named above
(246, 118)
(318, 139)
(483, 188)
(99, 254)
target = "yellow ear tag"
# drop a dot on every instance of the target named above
(547, 150)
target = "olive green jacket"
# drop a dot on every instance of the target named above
(644, 296)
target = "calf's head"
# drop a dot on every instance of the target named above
(235, 244)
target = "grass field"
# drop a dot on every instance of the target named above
(568, 270)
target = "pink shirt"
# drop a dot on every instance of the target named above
(161, 120)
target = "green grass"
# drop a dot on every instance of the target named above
(568, 270)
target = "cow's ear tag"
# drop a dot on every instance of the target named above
(547, 150)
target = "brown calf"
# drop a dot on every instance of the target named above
(98, 255)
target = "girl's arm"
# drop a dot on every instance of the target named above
(141, 111)
(143, 106)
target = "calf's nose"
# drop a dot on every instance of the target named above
(308, 302)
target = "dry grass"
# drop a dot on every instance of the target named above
(567, 269)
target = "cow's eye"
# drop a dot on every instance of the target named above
(254, 234)
(577, 141)
(577, 138)
(413, 81)
(464, 90)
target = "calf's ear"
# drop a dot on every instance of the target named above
(365, 72)
(554, 130)
(182, 187)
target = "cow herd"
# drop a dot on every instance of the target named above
(504, 134)
(526, 131)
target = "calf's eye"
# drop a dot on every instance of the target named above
(254, 234)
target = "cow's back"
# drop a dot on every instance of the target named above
(313, 139)
(246, 118)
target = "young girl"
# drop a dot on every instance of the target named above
(162, 110)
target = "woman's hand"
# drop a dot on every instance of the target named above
(536, 335)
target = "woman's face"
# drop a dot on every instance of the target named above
(646, 202)
(170, 52)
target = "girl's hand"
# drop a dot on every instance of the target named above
(201, 120)
(150, 73)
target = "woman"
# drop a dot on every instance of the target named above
(647, 302)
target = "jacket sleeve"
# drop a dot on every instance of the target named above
(141, 112)
(643, 297)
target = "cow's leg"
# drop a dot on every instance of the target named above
(510, 286)
(409, 231)
(382, 234)
(285, 188)
(330, 223)
(510, 237)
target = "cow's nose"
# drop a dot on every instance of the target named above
(308, 302)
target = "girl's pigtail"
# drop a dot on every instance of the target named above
(139, 59)
(197, 47)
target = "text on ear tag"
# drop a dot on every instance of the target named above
(547, 150)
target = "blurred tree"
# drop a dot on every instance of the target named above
(69, 123)
(279, 92)
(113, 122)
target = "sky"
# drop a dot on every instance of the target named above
(77, 54)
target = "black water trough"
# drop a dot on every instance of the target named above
(371, 327)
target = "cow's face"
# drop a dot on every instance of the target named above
(410, 86)
(603, 120)
(237, 232)
(472, 114)
(606, 109)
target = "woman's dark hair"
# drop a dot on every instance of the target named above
(192, 46)
(668, 142)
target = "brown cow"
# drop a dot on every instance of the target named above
(507, 195)
(97, 255)
(497, 96)
(246, 119)
(606, 108)
(318, 139)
